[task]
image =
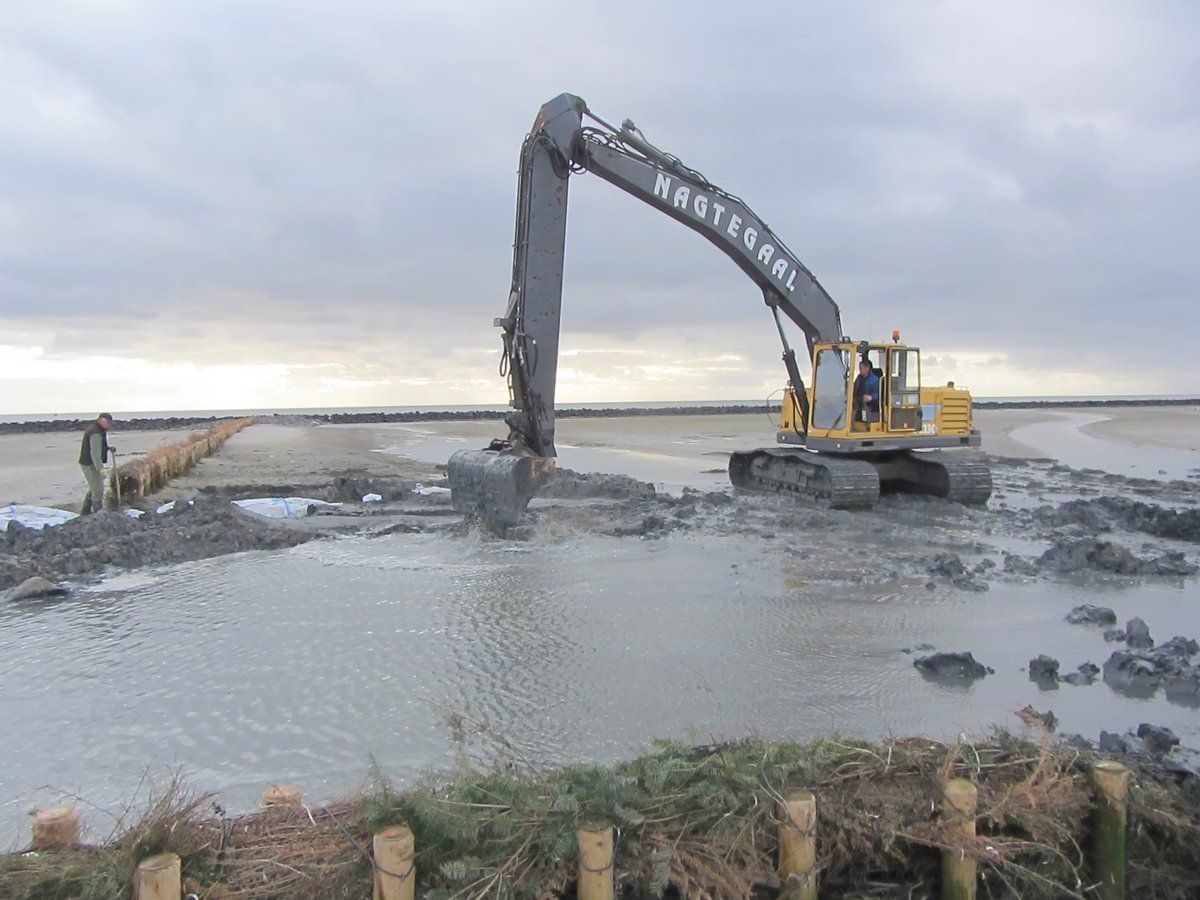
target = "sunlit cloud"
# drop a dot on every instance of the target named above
(191, 217)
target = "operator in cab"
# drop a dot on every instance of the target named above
(866, 393)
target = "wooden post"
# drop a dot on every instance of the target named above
(798, 846)
(596, 858)
(395, 872)
(281, 795)
(56, 828)
(959, 800)
(158, 878)
(1111, 780)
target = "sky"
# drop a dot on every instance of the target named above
(214, 205)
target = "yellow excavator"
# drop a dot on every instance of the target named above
(853, 431)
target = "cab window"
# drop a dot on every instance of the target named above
(904, 376)
(829, 389)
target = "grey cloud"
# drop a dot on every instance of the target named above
(221, 180)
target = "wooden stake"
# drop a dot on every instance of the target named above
(395, 872)
(1111, 780)
(56, 828)
(158, 878)
(281, 795)
(959, 801)
(798, 846)
(596, 858)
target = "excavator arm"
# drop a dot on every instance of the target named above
(560, 145)
(497, 482)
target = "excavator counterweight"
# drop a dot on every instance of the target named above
(840, 439)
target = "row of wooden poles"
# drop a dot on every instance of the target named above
(160, 877)
(146, 474)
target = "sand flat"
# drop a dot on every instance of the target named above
(42, 469)
(1174, 427)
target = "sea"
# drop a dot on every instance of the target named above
(499, 407)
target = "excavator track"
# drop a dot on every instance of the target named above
(951, 476)
(832, 481)
(854, 483)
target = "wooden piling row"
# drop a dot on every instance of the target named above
(149, 473)
(959, 872)
(158, 878)
(798, 846)
(395, 871)
(1111, 780)
(597, 858)
(56, 828)
(395, 875)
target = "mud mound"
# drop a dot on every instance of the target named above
(93, 544)
(1087, 614)
(564, 484)
(962, 666)
(1105, 513)
(343, 489)
(1104, 556)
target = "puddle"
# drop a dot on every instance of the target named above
(297, 665)
(668, 472)
(1064, 439)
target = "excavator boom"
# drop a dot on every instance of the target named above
(497, 483)
(560, 145)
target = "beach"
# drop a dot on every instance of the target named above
(652, 601)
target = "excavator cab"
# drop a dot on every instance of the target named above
(905, 415)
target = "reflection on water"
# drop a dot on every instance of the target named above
(1065, 440)
(689, 465)
(296, 665)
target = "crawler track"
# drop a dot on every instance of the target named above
(948, 475)
(854, 483)
(830, 480)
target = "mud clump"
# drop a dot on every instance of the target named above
(1104, 556)
(948, 565)
(1158, 738)
(1169, 665)
(1105, 513)
(1137, 634)
(650, 527)
(1030, 716)
(1043, 668)
(33, 588)
(952, 568)
(958, 666)
(1087, 614)
(1018, 565)
(1084, 675)
(565, 484)
(94, 544)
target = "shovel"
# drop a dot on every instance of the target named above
(495, 484)
(116, 476)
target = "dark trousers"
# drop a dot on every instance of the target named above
(93, 500)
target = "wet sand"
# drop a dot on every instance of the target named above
(1177, 428)
(40, 469)
(678, 606)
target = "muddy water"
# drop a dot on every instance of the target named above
(298, 665)
(1064, 439)
(682, 461)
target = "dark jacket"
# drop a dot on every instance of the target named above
(88, 447)
(867, 385)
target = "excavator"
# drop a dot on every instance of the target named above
(837, 443)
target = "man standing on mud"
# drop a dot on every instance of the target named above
(93, 454)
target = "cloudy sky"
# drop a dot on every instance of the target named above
(275, 204)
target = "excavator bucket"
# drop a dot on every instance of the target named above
(495, 485)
